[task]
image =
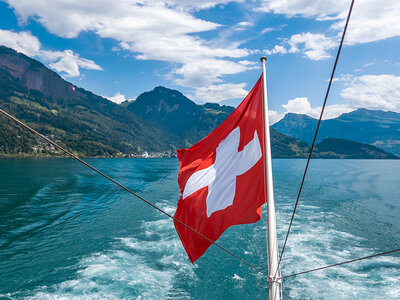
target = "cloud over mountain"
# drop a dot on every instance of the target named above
(151, 30)
(67, 62)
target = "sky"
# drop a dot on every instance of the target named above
(210, 50)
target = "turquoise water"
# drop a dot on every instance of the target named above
(67, 233)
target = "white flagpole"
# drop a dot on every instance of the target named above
(274, 280)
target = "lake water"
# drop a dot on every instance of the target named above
(67, 233)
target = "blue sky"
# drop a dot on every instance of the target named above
(210, 50)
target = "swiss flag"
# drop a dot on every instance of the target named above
(222, 177)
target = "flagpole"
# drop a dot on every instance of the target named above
(274, 280)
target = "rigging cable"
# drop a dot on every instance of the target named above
(342, 263)
(315, 135)
(195, 231)
(170, 216)
(128, 190)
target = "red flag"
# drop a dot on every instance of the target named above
(222, 177)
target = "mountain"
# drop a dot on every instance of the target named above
(87, 123)
(283, 146)
(299, 126)
(375, 127)
(172, 112)
(342, 148)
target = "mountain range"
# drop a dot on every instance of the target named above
(159, 121)
(374, 127)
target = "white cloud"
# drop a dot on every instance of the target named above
(66, 61)
(248, 63)
(245, 24)
(321, 8)
(271, 29)
(380, 92)
(195, 4)
(117, 98)
(298, 105)
(276, 50)
(343, 78)
(368, 64)
(314, 46)
(374, 92)
(221, 92)
(205, 72)
(140, 26)
(371, 20)
(23, 42)
(301, 105)
(70, 62)
(274, 117)
(266, 30)
(152, 30)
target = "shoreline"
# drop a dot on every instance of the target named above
(6, 156)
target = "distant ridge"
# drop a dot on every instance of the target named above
(343, 148)
(374, 127)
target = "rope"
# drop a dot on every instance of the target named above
(128, 190)
(342, 263)
(315, 136)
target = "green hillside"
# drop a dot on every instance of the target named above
(84, 122)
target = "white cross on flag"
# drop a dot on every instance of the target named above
(222, 177)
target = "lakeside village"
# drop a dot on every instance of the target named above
(44, 149)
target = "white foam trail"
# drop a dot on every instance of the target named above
(314, 242)
(139, 269)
